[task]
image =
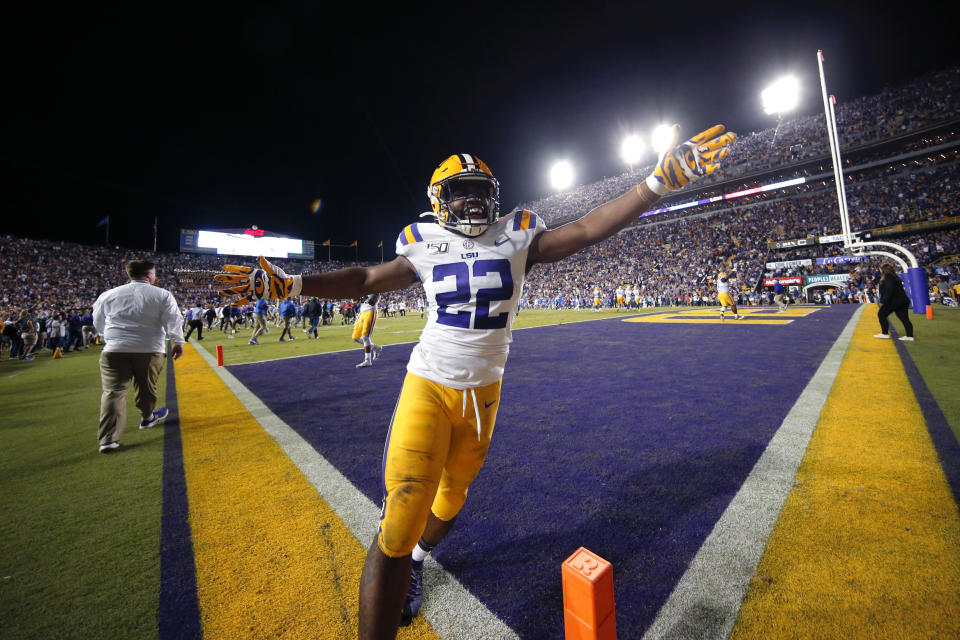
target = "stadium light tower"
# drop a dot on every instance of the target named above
(561, 175)
(631, 149)
(661, 137)
(779, 98)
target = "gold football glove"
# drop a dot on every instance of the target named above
(682, 164)
(269, 281)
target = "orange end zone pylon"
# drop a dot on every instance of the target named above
(219, 355)
(588, 608)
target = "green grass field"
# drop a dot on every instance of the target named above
(80, 531)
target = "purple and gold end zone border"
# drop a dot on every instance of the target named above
(944, 440)
(178, 613)
(681, 465)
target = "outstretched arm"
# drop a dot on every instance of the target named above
(270, 281)
(357, 281)
(596, 226)
(677, 167)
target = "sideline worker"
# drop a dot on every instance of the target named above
(134, 319)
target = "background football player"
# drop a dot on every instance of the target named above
(723, 296)
(363, 329)
(472, 265)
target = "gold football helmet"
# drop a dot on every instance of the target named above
(467, 178)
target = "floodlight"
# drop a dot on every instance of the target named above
(632, 149)
(661, 137)
(782, 96)
(561, 175)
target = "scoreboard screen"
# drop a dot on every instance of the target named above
(245, 242)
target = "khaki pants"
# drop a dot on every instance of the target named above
(117, 369)
(259, 325)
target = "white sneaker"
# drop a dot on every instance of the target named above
(882, 335)
(907, 339)
(110, 446)
(365, 363)
(376, 351)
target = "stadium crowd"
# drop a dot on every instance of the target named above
(668, 259)
(931, 99)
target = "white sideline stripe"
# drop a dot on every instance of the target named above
(706, 601)
(452, 611)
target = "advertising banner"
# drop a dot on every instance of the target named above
(826, 278)
(787, 264)
(789, 244)
(786, 281)
(840, 259)
(854, 235)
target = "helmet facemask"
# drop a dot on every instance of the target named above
(464, 195)
(475, 197)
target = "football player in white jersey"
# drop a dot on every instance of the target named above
(723, 296)
(472, 265)
(363, 329)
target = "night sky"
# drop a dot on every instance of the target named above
(239, 115)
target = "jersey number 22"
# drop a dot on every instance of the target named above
(461, 271)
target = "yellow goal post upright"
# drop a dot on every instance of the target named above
(916, 277)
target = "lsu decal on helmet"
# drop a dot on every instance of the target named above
(464, 195)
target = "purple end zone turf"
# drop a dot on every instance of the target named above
(627, 438)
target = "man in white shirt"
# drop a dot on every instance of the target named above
(134, 319)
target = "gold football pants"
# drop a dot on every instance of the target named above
(435, 448)
(364, 324)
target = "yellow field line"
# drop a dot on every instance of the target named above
(273, 560)
(868, 542)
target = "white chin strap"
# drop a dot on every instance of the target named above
(476, 409)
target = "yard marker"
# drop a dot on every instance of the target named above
(588, 608)
(219, 355)
(57, 353)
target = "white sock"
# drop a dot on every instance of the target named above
(421, 551)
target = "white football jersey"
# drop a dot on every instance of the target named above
(473, 287)
(369, 302)
(723, 287)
